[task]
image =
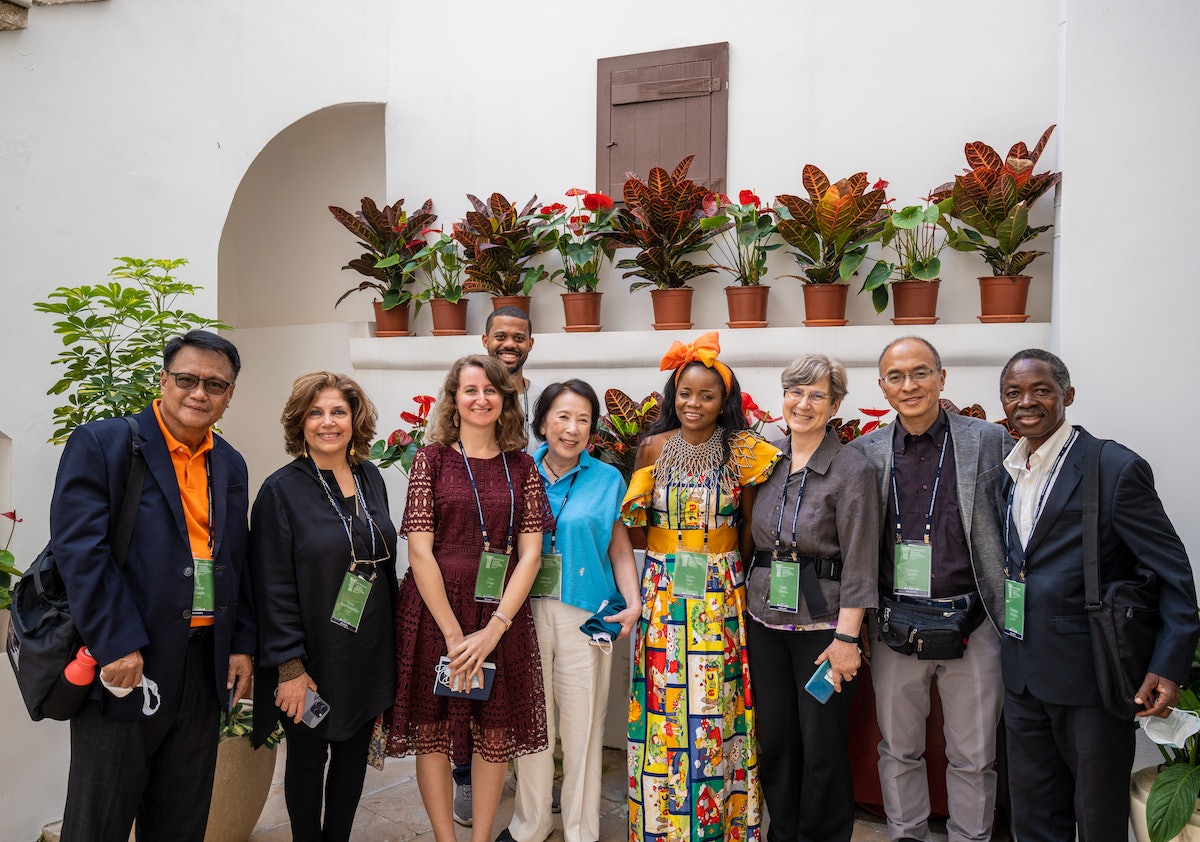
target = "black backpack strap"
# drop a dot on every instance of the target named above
(1091, 526)
(133, 495)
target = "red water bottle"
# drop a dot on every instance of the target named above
(71, 689)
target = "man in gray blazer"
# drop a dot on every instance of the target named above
(940, 478)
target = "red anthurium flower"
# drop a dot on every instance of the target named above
(869, 426)
(874, 413)
(597, 202)
(12, 516)
(879, 185)
(557, 207)
(752, 410)
(399, 438)
(411, 419)
(576, 191)
(747, 197)
(582, 219)
(424, 402)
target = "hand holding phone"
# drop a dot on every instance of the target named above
(820, 686)
(315, 708)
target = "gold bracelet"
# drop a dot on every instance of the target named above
(506, 620)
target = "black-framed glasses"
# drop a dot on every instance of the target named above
(188, 382)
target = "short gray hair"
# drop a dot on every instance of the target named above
(809, 368)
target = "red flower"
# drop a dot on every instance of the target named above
(12, 516)
(411, 419)
(752, 410)
(577, 191)
(597, 202)
(747, 197)
(874, 413)
(556, 208)
(424, 402)
(399, 438)
(879, 185)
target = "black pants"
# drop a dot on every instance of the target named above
(303, 775)
(1067, 765)
(802, 758)
(159, 770)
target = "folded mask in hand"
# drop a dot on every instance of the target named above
(1173, 729)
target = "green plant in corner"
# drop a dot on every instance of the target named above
(830, 230)
(993, 199)
(912, 235)
(661, 219)
(391, 237)
(115, 335)
(7, 562)
(441, 264)
(1172, 797)
(499, 242)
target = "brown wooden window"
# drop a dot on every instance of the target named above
(654, 109)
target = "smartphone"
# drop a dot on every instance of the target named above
(315, 709)
(820, 686)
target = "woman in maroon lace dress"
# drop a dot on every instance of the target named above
(472, 491)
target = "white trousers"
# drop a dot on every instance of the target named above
(576, 678)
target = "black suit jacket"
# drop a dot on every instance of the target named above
(147, 604)
(1054, 661)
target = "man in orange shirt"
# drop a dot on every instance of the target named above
(172, 628)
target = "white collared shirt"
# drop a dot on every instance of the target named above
(1034, 475)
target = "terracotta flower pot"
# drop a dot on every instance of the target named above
(1002, 299)
(672, 308)
(449, 317)
(915, 302)
(581, 311)
(825, 305)
(393, 322)
(747, 305)
(521, 301)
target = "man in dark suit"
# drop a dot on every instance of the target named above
(172, 630)
(1069, 759)
(940, 479)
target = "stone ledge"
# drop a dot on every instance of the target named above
(59, 2)
(13, 16)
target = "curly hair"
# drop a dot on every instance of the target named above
(731, 417)
(510, 427)
(304, 394)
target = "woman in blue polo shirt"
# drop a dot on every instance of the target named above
(586, 559)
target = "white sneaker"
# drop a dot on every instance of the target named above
(462, 804)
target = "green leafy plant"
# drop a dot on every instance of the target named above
(993, 199)
(741, 231)
(1172, 797)
(830, 230)
(580, 237)
(619, 432)
(440, 264)
(239, 723)
(498, 244)
(391, 237)
(916, 236)
(400, 448)
(115, 335)
(7, 562)
(661, 219)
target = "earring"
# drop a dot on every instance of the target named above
(457, 419)
(351, 450)
(304, 450)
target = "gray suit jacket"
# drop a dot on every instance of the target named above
(979, 451)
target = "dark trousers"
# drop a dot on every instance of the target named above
(802, 759)
(159, 770)
(302, 778)
(1067, 765)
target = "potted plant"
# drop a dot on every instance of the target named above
(912, 235)
(498, 244)
(830, 231)
(661, 219)
(242, 780)
(390, 237)
(580, 241)
(619, 432)
(440, 264)
(741, 231)
(992, 199)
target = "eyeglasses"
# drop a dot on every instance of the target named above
(814, 398)
(188, 382)
(897, 378)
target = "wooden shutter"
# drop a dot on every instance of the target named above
(654, 109)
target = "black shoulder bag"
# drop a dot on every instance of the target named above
(42, 638)
(1124, 621)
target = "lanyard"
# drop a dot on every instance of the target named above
(932, 498)
(512, 500)
(561, 509)
(1041, 503)
(682, 503)
(208, 482)
(796, 514)
(346, 519)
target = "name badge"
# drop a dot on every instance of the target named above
(203, 587)
(489, 583)
(690, 576)
(913, 570)
(784, 591)
(351, 601)
(1014, 609)
(548, 583)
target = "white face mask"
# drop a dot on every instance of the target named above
(150, 697)
(1172, 730)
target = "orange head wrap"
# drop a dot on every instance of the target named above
(704, 350)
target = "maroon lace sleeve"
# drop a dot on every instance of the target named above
(418, 508)
(535, 514)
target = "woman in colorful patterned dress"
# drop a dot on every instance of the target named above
(693, 758)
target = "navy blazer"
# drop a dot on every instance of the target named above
(147, 606)
(1054, 661)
